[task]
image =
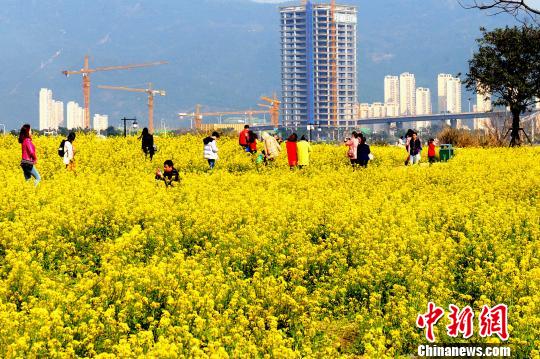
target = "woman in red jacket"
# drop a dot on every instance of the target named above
(431, 150)
(252, 142)
(29, 159)
(292, 151)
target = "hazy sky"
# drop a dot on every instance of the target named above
(223, 54)
(532, 3)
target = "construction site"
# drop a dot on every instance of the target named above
(319, 82)
(318, 75)
(318, 70)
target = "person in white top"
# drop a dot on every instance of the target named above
(210, 150)
(69, 152)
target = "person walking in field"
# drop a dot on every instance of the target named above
(69, 152)
(292, 150)
(352, 143)
(147, 143)
(415, 148)
(169, 174)
(243, 138)
(431, 151)
(210, 149)
(272, 149)
(408, 137)
(29, 158)
(304, 150)
(363, 152)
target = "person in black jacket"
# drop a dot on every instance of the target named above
(147, 143)
(169, 174)
(363, 152)
(415, 148)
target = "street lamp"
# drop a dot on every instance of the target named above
(135, 124)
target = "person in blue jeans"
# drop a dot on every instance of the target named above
(415, 148)
(29, 158)
(210, 149)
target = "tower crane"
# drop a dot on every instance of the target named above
(86, 71)
(150, 91)
(198, 115)
(273, 108)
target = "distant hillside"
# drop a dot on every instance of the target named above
(223, 54)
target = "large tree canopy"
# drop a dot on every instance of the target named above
(507, 65)
(521, 9)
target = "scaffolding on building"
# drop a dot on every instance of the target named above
(318, 64)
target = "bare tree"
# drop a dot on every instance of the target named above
(522, 10)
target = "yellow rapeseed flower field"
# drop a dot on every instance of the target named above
(260, 262)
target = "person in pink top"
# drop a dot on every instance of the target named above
(353, 148)
(29, 159)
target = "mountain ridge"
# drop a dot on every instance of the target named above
(222, 54)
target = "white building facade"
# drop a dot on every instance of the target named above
(441, 91)
(75, 116)
(453, 95)
(364, 110)
(51, 112)
(392, 109)
(483, 104)
(391, 89)
(45, 108)
(449, 93)
(101, 122)
(57, 119)
(407, 94)
(423, 105)
(377, 110)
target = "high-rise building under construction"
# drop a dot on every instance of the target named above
(318, 64)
